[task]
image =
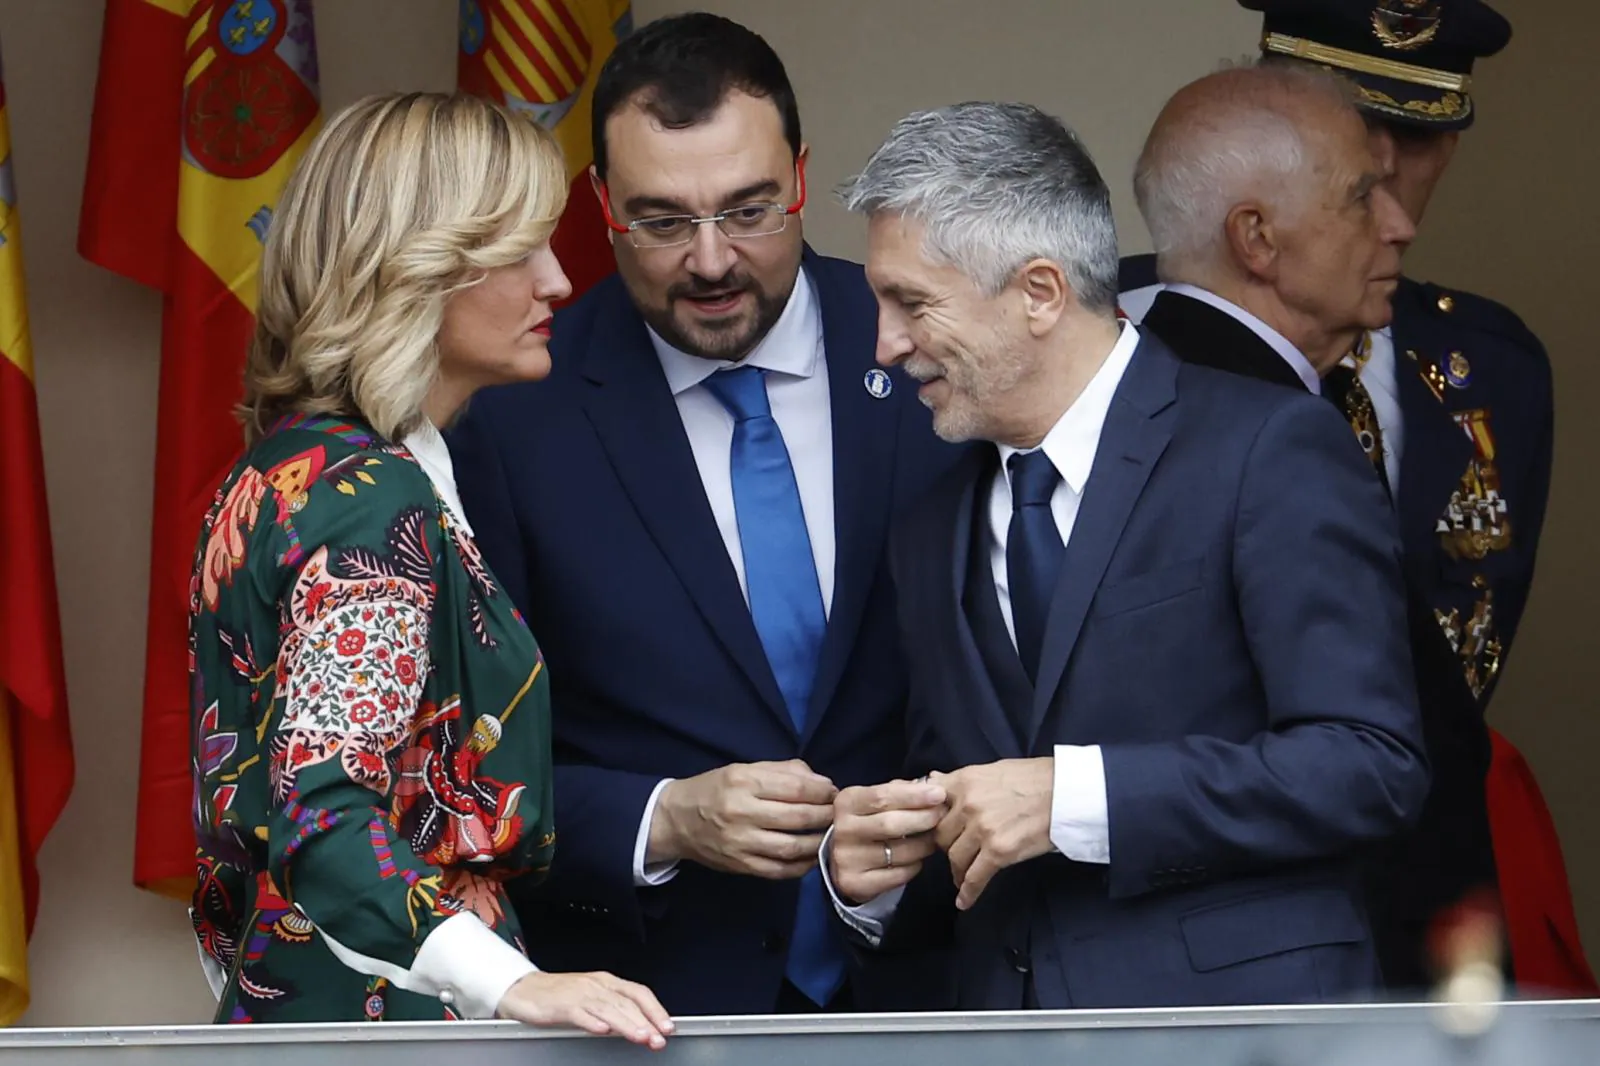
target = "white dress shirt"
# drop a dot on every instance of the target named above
(1380, 374)
(797, 388)
(1079, 823)
(428, 448)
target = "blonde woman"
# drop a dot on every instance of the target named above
(371, 715)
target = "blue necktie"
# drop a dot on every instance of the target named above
(1033, 552)
(786, 606)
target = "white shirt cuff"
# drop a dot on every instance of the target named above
(462, 963)
(867, 918)
(658, 873)
(1079, 824)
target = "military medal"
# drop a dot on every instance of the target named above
(1475, 522)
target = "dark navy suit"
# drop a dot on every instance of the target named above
(586, 499)
(1475, 399)
(1229, 625)
(1508, 379)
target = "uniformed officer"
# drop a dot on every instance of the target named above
(1462, 392)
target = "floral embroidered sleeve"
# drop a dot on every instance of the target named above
(366, 825)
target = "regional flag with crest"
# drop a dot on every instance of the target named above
(541, 58)
(201, 110)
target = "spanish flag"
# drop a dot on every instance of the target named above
(541, 58)
(201, 110)
(35, 742)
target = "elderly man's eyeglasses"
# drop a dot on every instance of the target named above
(760, 219)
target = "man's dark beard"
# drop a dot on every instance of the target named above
(724, 339)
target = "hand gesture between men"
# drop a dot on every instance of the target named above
(985, 818)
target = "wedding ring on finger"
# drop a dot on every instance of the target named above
(888, 856)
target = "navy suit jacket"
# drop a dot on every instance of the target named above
(1229, 626)
(584, 495)
(1503, 404)
(1496, 418)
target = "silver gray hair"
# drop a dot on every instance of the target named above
(996, 185)
(1237, 140)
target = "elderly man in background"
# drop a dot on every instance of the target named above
(1160, 684)
(1471, 504)
(1256, 185)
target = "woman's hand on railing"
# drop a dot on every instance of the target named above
(598, 1003)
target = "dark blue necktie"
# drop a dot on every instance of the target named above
(1033, 552)
(786, 605)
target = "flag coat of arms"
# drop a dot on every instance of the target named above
(202, 109)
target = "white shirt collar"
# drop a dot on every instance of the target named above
(793, 346)
(1277, 341)
(1072, 442)
(429, 449)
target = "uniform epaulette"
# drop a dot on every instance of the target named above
(1480, 312)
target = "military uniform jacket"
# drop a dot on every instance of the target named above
(1475, 475)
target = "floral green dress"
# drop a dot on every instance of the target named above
(371, 741)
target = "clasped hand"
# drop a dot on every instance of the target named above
(985, 818)
(759, 819)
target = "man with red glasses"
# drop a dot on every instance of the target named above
(691, 514)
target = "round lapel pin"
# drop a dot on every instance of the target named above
(878, 383)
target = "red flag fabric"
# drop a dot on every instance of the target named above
(36, 764)
(202, 108)
(1547, 956)
(540, 57)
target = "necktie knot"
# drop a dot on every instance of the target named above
(743, 391)
(1033, 479)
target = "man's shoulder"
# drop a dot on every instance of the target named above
(1428, 306)
(1237, 403)
(1137, 272)
(840, 286)
(934, 507)
(576, 320)
(834, 267)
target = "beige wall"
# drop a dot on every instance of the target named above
(106, 953)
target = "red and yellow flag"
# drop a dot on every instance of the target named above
(541, 58)
(202, 109)
(35, 741)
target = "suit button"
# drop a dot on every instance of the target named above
(774, 942)
(1018, 961)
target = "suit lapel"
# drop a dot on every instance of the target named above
(952, 564)
(865, 432)
(1137, 430)
(636, 418)
(1436, 451)
(1201, 334)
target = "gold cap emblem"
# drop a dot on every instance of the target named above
(1405, 25)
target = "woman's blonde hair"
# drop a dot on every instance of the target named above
(400, 201)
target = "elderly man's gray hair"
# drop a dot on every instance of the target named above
(996, 185)
(1232, 136)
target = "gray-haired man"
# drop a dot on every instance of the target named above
(1160, 689)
